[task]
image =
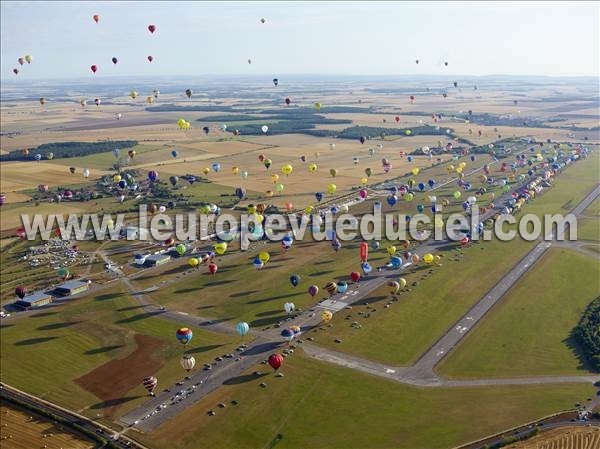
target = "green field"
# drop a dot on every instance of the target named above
(588, 229)
(53, 347)
(317, 405)
(540, 311)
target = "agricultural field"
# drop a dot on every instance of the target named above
(21, 430)
(568, 437)
(91, 340)
(301, 414)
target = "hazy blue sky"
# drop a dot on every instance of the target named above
(300, 37)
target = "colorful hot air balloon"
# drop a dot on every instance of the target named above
(275, 361)
(184, 335)
(150, 383)
(21, 292)
(288, 335)
(331, 288)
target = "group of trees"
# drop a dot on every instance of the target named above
(68, 149)
(587, 333)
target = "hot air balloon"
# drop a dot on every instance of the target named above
(193, 262)
(331, 288)
(150, 58)
(152, 28)
(212, 268)
(288, 335)
(42, 101)
(114, 60)
(150, 383)
(275, 81)
(16, 71)
(313, 290)
(152, 175)
(28, 58)
(264, 256)
(326, 316)
(96, 18)
(184, 335)
(289, 307)
(294, 280)
(94, 68)
(275, 361)
(287, 169)
(342, 287)
(187, 362)
(288, 101)
(97, 101)
(242, 328)
(21, 292)
(394, 287)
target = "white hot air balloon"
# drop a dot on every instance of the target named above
(187, 362)
(289, 307)
(86, 172)
(265, 129)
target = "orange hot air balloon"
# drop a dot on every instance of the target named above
(364, 251)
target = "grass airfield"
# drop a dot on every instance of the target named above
(108, 336)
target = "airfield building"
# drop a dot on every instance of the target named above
(157, 259)
(36, 299)
(71, 288)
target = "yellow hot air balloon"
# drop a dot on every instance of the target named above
(269, 193)
(312, 168)
(415, 171)
(309, 210)
(326, 316)
(264, 256)
(428, 258)
(459, 170)
(193, 262)
(206, 170)
(436, 259)
(317, 106)
(133, 94)
(287, 169)
(364, 181)
(402, 282)
(331, 188)
(28, 58)
(116, 178)
(394, 287)
(274, 178)
(235, 170)
(391, 250)
(251, 208)
(220, 248)
(150, 99)
(333, 172)
(462, 164)
(450, 167)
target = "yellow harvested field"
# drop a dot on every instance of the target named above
(570, 437)
(11, 218)
(15, 176)
(20, 430)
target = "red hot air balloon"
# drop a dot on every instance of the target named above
(412, 98)
(96, 18)
(212, 268)
(152, 28)
(355, 276)
(150, 58)
(275, 360)
(397, 119)
(21, 292)
(364, 252)
(21, 233)
(94, 68)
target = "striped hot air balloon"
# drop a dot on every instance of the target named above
(150, 383)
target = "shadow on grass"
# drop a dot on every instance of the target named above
(43, 314)
(268, 313)
(138, 317)
(372, 300)
(237, 380)
(102, 349)
(201, 349)
(54, 326)
(242, 294)
(224, 281)
(107, 296)
(34, 341)
(320, 273)
(113, 402)
(271, 298)
(125, 309)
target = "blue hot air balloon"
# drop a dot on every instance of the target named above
(295, 280)
(242, 328)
